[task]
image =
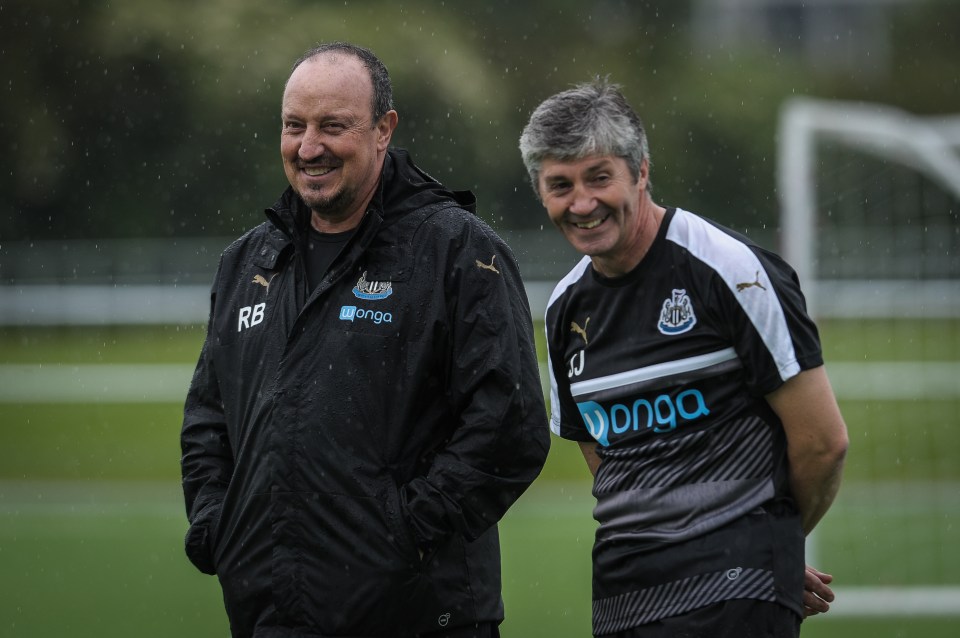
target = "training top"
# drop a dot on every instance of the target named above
(666, 368)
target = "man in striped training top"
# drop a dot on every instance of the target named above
(683, 361)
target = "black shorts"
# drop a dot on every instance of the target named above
(738, 618)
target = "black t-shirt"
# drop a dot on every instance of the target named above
(321, 250)
(666, 368)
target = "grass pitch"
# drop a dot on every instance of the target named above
(91, 518)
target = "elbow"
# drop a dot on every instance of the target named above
(839, 445)
(832, 454)
(823, 456)
(843, 446)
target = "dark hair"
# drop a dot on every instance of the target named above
(592, 118)
(379, 77)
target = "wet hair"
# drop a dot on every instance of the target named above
(379, 77)
(592, 118)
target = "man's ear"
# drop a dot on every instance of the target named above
(385, 128)
(644, 178)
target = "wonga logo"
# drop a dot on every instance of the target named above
(352, 313)
(596, 420)
(661, 415)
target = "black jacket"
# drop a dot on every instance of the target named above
(348, 451)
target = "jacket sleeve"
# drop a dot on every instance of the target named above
(500, 441)
(207, 460)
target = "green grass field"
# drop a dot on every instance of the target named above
(91, 520)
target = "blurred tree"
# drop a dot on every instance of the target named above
(147, 118)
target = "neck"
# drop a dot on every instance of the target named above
(327, 225)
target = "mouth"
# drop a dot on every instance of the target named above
(317, 171)
(588, 225)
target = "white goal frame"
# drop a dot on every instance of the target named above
(928, 145)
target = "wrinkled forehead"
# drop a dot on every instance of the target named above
(329, 77)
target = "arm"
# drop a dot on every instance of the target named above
(207, 461)
(816, 441)
(500, 441)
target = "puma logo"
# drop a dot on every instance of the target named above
(489, 266)
(747, 284)
(581, 331)
(260, 279)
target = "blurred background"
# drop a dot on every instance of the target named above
(140, 137)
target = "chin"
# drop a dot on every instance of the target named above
(586, 246)
(331, 206)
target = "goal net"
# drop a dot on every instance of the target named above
(870, 201)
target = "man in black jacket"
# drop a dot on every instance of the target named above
(367, 403)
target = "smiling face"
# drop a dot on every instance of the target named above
(332, 149)
(601, 209)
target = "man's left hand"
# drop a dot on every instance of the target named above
(817, 594)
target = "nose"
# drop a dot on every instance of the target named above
(583, 203)
(311, 145)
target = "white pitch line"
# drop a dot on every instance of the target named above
(895, 601)
(20, 500)
(94, 383)
(895, 380)
(147, 383)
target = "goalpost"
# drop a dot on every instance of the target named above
(870, 202)
(925, 145)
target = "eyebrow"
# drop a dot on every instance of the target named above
(598, 166)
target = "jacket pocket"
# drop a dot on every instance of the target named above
(402, 536)
(345, 562)
(200, 541)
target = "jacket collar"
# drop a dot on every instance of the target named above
(403, 188)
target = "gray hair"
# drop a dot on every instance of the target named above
(592, 118)
(379, 77)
